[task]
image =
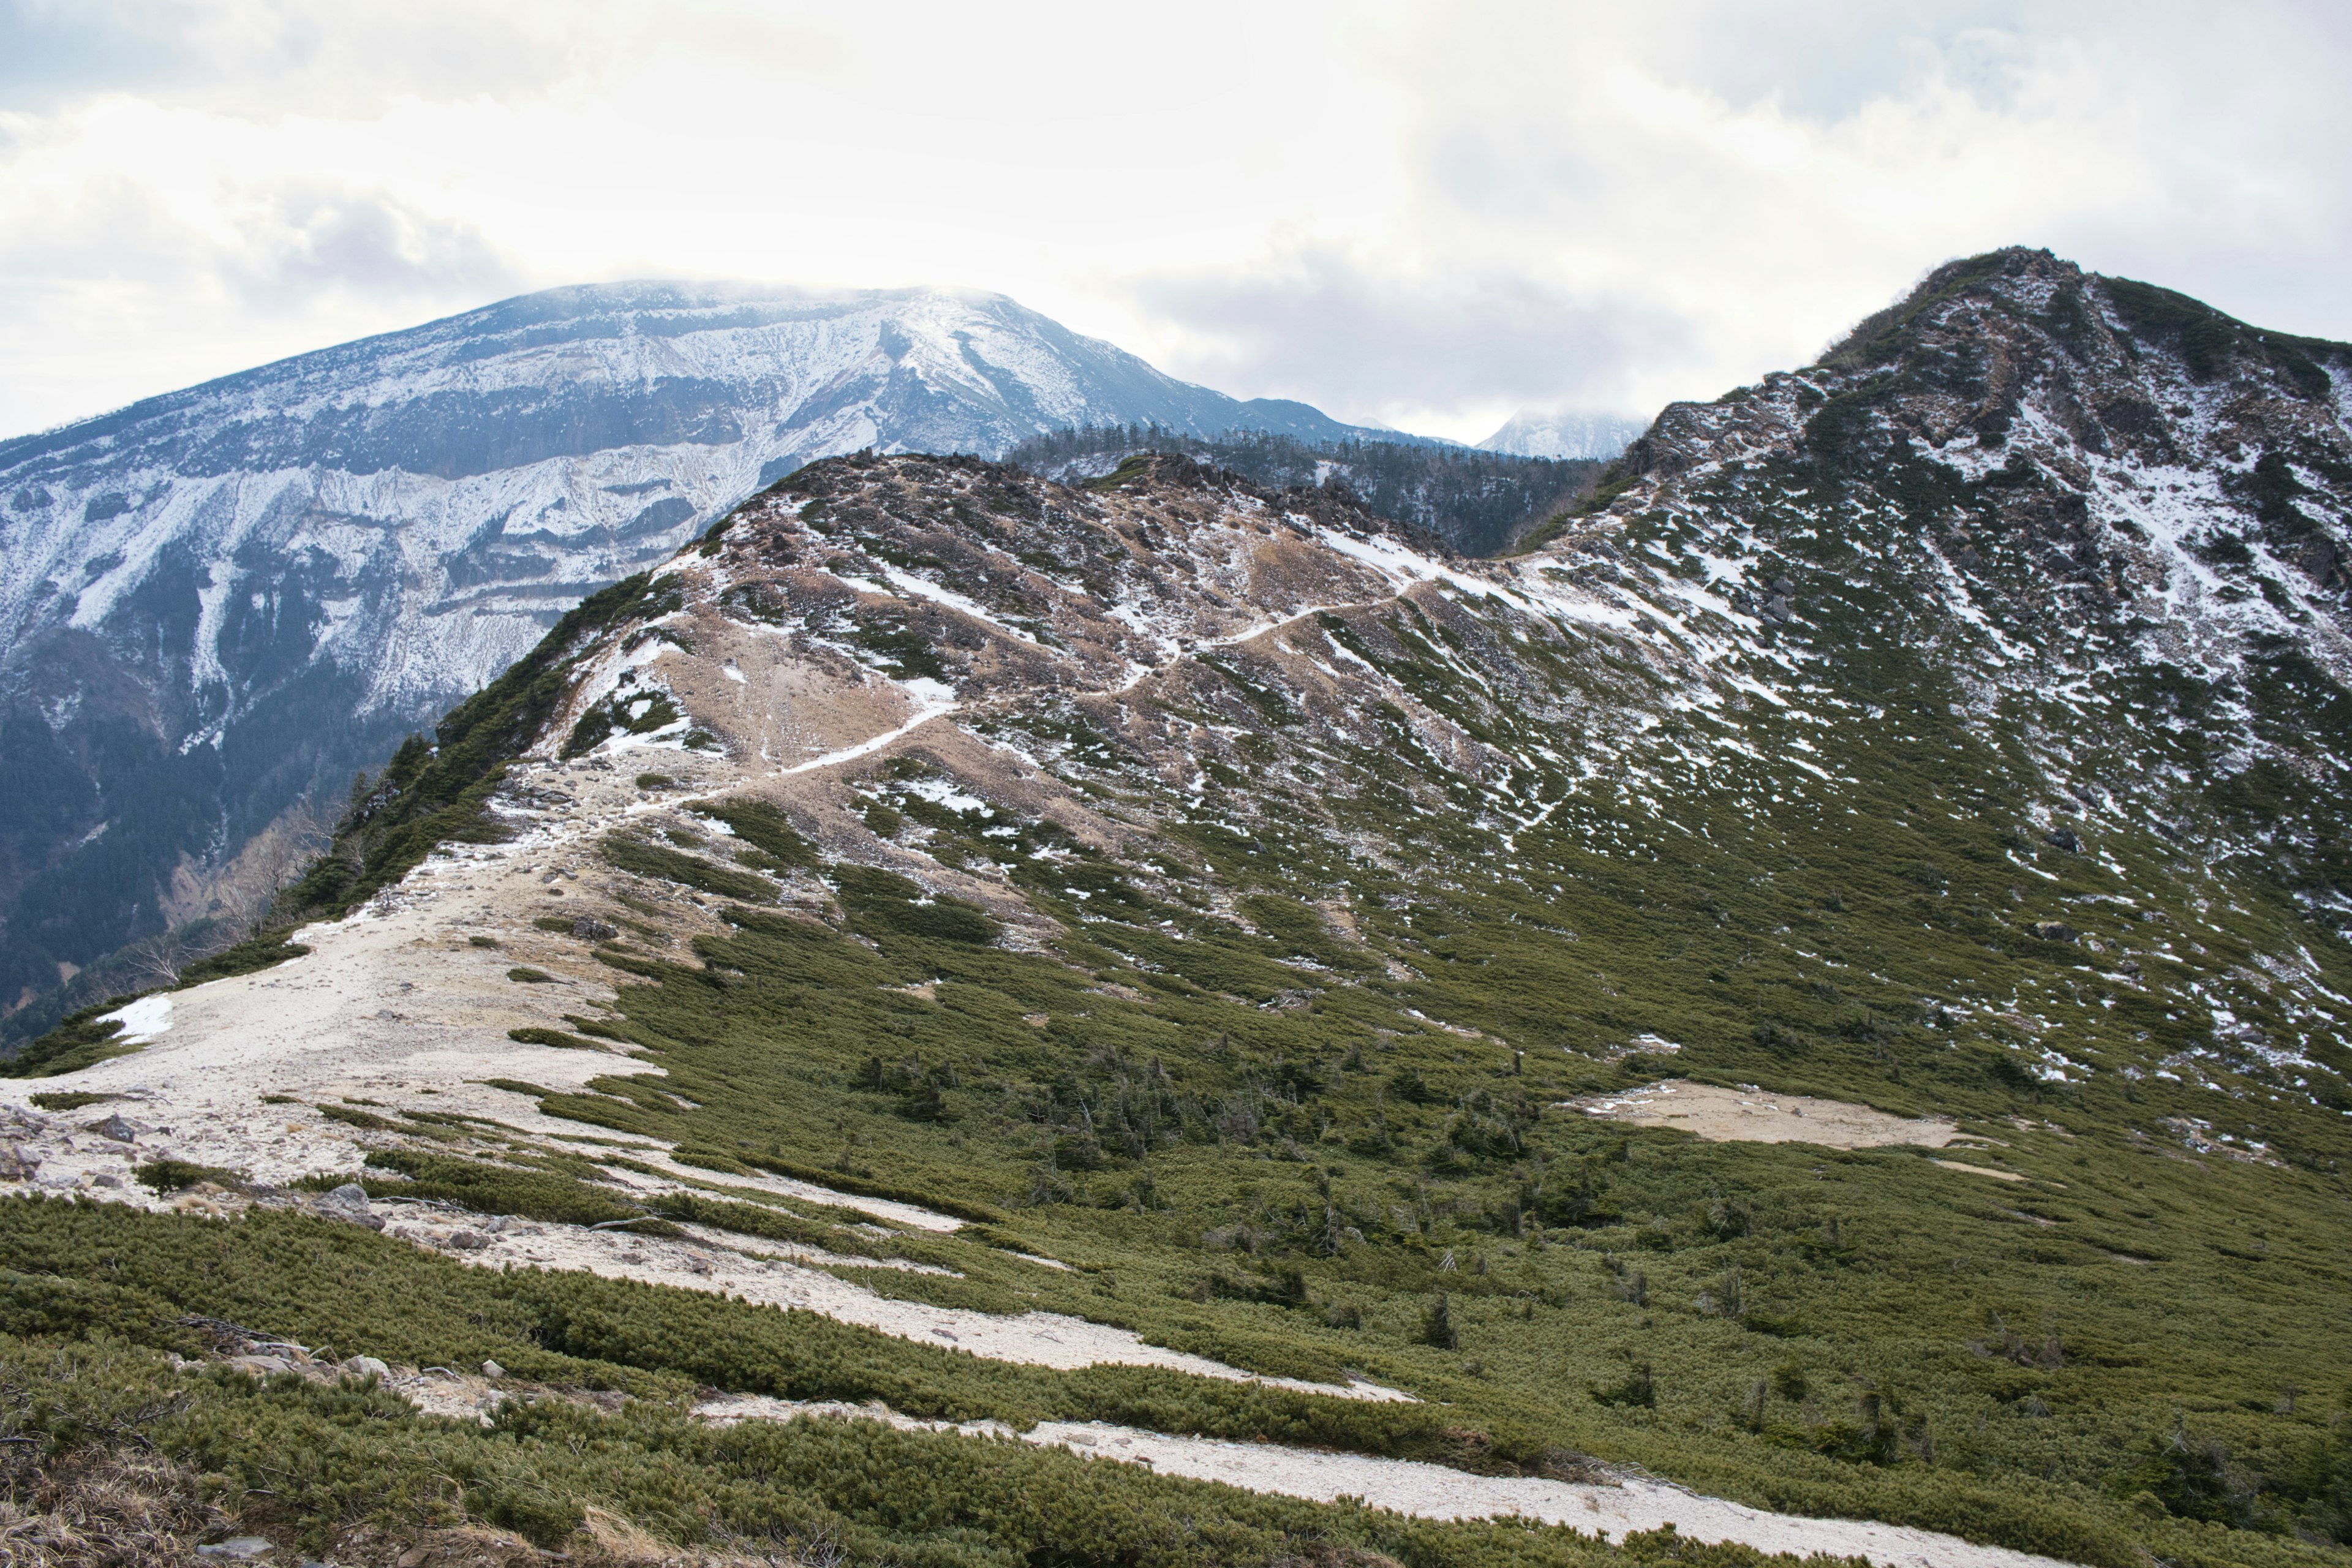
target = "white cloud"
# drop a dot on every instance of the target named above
(1417, 213)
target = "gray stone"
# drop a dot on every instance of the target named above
(238, 1549)
(467, 1241)
(492, 1369)
(588, 928)
(116, 1128)
(350, 1202)
(2053, 930)
(366, 1366)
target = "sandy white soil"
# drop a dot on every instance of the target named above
(1629, 1502)
(1965, 1167)
(1752, 1116)
(764, 1274)
(396, 1008)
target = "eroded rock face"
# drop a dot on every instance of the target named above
(2104, 450)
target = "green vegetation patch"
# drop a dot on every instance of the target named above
(177, 1175)
(866, 1186)
(627, 711)
(313, 1466)
(764, 827)
(80, 1040)
(263, 949)
(531, 1193)
(640, 859)
(884, 905)
(534, 1035)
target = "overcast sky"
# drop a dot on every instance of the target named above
(1423, 215)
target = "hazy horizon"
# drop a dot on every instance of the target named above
(1418, 216)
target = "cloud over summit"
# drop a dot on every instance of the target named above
(1417, 214)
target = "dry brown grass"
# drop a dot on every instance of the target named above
(608, 1541)
(605, 1540)
(90, 1508)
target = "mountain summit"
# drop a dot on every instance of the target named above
(217, 604)
(2116, 522)
(1567, 435)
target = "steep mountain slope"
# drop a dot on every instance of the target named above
(1817, 980)
(2112, 521)
(217, 604)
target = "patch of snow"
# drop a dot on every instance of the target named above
(144, 1021)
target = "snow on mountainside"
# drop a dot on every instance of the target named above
(1537, 983)
(214, 603)
(2120, 521)
(1570, 435)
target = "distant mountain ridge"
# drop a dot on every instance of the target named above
(216, 603)
(1571, 437)
(1475, 502)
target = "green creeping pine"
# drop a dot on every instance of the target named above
(1297, 1086)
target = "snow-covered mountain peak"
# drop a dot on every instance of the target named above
(256, 585)
(1534, 433)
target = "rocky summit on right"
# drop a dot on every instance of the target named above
(1795, 1006)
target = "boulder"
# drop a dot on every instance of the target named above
(261, 1365)
(17, 1164)
(367, 1367)
(349, 1203)
(2063, 838)
(116, 1128)
(2053, 930)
